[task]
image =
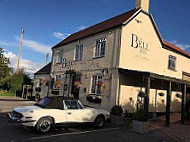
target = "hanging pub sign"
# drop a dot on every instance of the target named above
(137, 42)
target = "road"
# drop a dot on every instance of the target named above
(11, 132)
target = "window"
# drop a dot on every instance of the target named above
(172, 63)
(57, 83)
(79, 52)
(72, 104)
(96, 84)
(58, 77)
(59, 57)
(100, 47)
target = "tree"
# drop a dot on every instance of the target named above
(5, 71)
(17, 80)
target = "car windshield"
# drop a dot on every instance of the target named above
(44, 102)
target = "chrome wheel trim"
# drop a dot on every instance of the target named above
(45, 125)
(99, 121)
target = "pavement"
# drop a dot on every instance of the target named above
(12, 132)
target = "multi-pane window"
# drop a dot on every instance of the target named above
(172, 63)
(57, 83)
(96, 84)
(59, 57)
(79, 52)
(100, 47)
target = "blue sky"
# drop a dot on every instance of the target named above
(47, 22)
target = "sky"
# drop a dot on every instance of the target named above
(47, 22)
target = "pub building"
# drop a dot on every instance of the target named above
(123, 61)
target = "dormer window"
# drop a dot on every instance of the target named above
(172, 63)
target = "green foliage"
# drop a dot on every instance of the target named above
(10, 81)
(117, 110)
(6, 93)
(5, 71)
(16, 82)
(140, 115)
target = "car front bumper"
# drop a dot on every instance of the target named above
(22, 120)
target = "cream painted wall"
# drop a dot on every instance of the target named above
(155, 60)
(44, 89)
(128, 99)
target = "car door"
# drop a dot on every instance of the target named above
(76, 113)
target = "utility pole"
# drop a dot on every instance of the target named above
(20, 48)
(47, 56)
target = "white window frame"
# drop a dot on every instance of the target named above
(57, 77)
(59, 57)
(172, 59)
(94, 83)
(100, 48)
(78, 52)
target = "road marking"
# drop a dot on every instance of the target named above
(65, 134)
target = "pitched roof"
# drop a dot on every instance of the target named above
(176, 49)
(44, 70)
(108, 24)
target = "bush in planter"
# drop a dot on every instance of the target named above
(116, 113)
(140, 115)
(117, 110)
(140, 124)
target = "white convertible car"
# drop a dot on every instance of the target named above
(54, 110)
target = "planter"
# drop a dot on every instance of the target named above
(140, 127)
(116, 120)
(127, 122)
(94, 99)
(55, 92)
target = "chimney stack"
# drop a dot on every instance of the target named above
(143, 4)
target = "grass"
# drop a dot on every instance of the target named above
(5, 93)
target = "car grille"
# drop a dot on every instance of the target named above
(17, 115)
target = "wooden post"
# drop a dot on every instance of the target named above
(147, 92)
(168, 101)
(183, 103)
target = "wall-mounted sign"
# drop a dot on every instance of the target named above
(67, 64)
(137, 42)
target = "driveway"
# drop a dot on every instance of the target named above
(11, 132)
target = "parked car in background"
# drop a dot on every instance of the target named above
(54, 110)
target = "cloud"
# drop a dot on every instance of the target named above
(182, 46)
(59, 35)
(81, 27)
(27, 65)
(36, 46)
(2, 43)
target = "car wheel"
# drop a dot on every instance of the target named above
(99, 122)
(44, 125)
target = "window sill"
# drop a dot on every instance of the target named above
(98, 57)
(171, 69)
(77, 60)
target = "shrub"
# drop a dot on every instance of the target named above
(117, 110)
(140, 115)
